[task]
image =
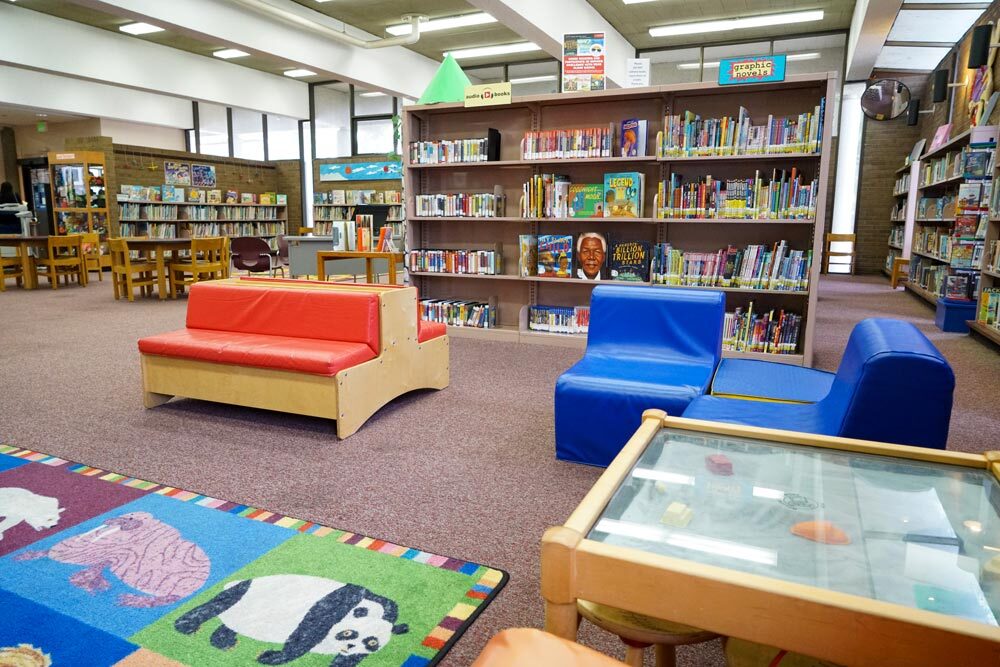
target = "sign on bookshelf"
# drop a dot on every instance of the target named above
(751, 69)
(361, 171)
(583, 62)
(489, 94)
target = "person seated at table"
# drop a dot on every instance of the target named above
(10, 206)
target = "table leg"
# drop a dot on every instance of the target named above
(370, 270)
(29, 277)
(392, 270)
(161, 277)
(320, 269)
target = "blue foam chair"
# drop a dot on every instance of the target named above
(771, 381)
(648, 347)
(892, 386)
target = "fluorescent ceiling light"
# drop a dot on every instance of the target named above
(634, 2)
(735, 24)
(226, 54)
(498, 50)
(917, 58)
(923, 25)
(374, 93)
(535, 79)
(715, 63)
(686, 540)
(296, 73)
(663, 476)
(446, 23)
(139, 28)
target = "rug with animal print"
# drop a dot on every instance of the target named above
(101, 569)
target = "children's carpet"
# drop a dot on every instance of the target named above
(101, 569)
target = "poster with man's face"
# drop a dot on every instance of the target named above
(591, 253)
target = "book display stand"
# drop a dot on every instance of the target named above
(480, 202)
(80, 196)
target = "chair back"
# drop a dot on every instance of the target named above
(208, 250)
(828, 253)
(65, 246)
(251, 254)
(892, 385)
(120, 256)
(91, 246)
(283, 249)
(656, 323)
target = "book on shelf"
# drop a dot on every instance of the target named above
(785, 196)
(978, 164)
(591, 256)
(281, 199)
(632, 141)
(195, 195)
(232, 197)
(248, 198)
(459, 312)
(545, 196)
(462, 205)
(527, 258)
(623, 194)
(586, 200)
(363, 230)
(555, 255)
(559, 319)
(989, 307)
(969, 195)
(628, 260)
(478, 262)
(956, 287)
(940, 137)
(214, 197)
(771, 332)
(777, 267)
(589, 142)
(483, 149)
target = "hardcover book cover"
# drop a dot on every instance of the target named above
(629, 261)
(586, 200)
(977, 164)
(214, 197)
(591, 256)
(555, 255)
(968, 195)
(965, 225)
(247, 198)
(232, 197)
(195, 195)
(527, 259)
(633, 138)
(623, 194)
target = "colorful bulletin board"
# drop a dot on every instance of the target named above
(361, 171)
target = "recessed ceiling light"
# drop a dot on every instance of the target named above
(735, 24)
(715, 63)
(446, 23)
(226, 54)
(535, 79)
(374, 93)
(139, 28)
(499, 49)
(296, 73)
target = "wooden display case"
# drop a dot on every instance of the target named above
(512, 292)
(80, 196)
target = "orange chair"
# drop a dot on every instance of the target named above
(520, 647)
(63, 257)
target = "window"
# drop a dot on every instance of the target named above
(372, 122)
(673, 66)
(534, 78)
(333, 120)
(374, 136)
(248, 135)
(282, 138)
(213, 129)
(371, 103)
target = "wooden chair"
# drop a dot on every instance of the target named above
(207, 262)
(839, 238)
(124, 271)
(900, 272)
(63, 257)
(92, 253)
(10, 267)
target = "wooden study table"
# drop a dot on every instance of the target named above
(913, 579)
(25, 242)
(392, 257)
(159, 247)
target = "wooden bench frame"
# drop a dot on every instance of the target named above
(351, 396)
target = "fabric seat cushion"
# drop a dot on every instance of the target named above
(771, 380)
(429, 330)
(304, 355)
(804, 417)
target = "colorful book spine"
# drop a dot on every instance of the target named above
(755, 267)
(459, 313)
(559, 319)
(771, 332)
(480, 262)
(461, 205)
(590, 142)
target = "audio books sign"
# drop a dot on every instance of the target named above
(487, 94)
(752, 69)
(583, 62)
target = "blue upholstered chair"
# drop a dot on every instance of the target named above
(648, 347)
(770, 381)
(892, 386)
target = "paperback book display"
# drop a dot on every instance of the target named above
(482, 262)
(688, 134)
(768, 332)
(560, 144)
(459, 313)
(559, 319)
(936, 208)
(785, 196)
(460, 205)
(753, 267)
(485, 149)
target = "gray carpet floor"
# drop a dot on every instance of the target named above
(467, 472)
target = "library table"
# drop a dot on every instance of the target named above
(25, 242)
(905, 572)
(392, 257)
(159, 247)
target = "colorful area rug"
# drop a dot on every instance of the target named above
(100, 569)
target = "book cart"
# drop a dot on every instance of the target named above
(510, 294)
(80, 196)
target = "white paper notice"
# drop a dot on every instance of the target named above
(636, 72)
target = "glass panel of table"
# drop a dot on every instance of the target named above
(859, 553)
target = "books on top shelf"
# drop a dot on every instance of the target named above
(179, 195)
(462, 205)
(770, 332)
(459, 312)
(485, 149)
(559, 319)
(785, 196)
(755, 267)
(572, 143)
(482, 262)
(689, 135)
(357, 197)
(527, 257)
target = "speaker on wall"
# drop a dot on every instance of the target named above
(940, 85)
(913, 112)
(979, 52)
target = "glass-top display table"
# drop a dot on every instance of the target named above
(850, 551)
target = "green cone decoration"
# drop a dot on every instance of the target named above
(448, 84)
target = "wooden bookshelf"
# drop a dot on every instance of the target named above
(183, 226)
(512, 293)
(80, 196)
(989, 277)
(905, 200)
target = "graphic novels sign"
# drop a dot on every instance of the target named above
(752, 69)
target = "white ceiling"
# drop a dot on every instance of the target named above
(16, 115)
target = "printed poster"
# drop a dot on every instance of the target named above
(203, 175)
(583, 62)
(176, 173)
(752, 69)
(360, 171)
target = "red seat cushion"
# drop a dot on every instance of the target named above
(330, 315)
(305, 355)
(429, 330)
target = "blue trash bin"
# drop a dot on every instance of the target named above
(952, 315)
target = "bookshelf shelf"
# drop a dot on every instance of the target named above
(902, 193)
(991, 274)
(506, 176)
(354, 205)
(956, 142)
(80, 197)
(986, 331)
(934, 221)
(895, 247)
(928, 255)
(954, 180)
(926, 295)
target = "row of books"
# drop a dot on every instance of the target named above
(482, 149)
(768, 332)
(463, 205)
(989, 308)
(936, 208)
(207, 229)
(574, 143)
(777, 267)
(151, 229)
(902, 185)
(481, 262)
(554, 196)
(559, 319)
(969, 162)
(170, 193)
(897, 235)
(148, 212)
(358, 197)
(347, 213)
(589, 256)
(688, 134)
(785, 196)
(459, 313)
